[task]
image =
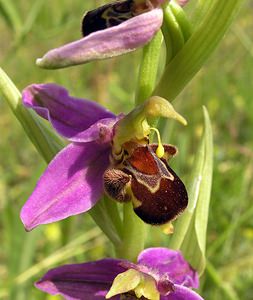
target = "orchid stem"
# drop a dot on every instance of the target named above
(134, 235)
(112, 209)
(148, 69)
(104, 221)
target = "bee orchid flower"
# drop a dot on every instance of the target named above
(159, 274)
(106, 153)
(110, 30)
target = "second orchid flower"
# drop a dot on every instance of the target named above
(110, 30)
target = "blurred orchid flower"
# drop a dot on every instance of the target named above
(182, 2)
(159, 273)
(107, 153)
(110, 30)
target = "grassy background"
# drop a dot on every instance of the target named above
(28, 29)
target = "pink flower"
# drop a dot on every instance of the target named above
(111, 30)
(159, 272)
(79, 174)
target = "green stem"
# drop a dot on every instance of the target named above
(198, 48)
(104, 221)
(134, 234)
(148, 69)
(112, 209)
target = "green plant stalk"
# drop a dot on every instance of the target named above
(104, 220)
(198, 48)
(148, 69)
(134, 235)
(111, 207)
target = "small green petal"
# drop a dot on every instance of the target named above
(159, 107)
(124, 283)
(135, 124)
(147, 288)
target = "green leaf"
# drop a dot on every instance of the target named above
(206, 36)
(176, 29)
(200, 11)
(191, 227)
(182, 20)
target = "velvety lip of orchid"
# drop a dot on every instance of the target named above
(72, 182)
(159, 273)
(106, 43)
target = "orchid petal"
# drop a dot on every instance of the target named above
(113, 41)
(86, 281)
(166, 261)
(71, 117)
(182, 293)
(71, 184)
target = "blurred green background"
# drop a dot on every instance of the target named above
(30, 28)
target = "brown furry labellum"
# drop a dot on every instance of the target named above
(157, 193)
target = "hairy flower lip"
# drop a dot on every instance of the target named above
(106, 43)
(92, 280)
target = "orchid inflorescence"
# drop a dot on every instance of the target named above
(110, 155)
